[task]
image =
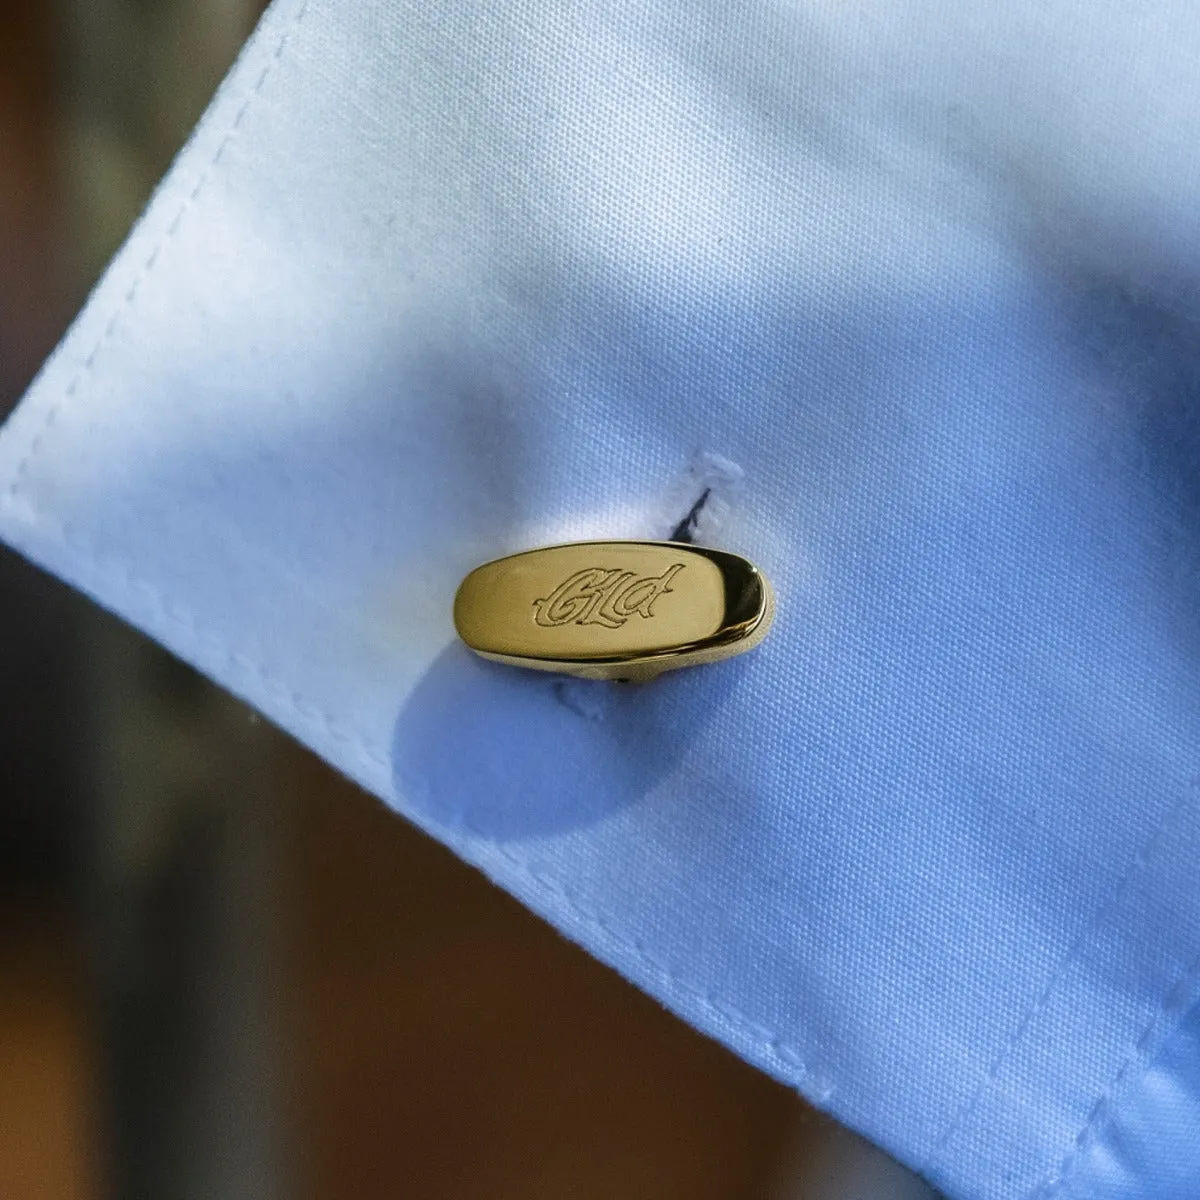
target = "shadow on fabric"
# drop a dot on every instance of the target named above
(508, 754)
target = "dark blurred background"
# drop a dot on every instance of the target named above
(225, 972)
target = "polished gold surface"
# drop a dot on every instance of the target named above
(613, 610)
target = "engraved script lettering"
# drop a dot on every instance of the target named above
(595, 596)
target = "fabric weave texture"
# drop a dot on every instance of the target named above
(914, 290)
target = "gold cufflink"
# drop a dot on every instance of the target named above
(614, 610)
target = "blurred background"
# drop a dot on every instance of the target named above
(225, 972)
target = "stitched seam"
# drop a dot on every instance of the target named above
(37, 441)
(1174, 1005)
(310, 714)
(179, 616)
(307, 713)
(770, 1043)
(1097, 922)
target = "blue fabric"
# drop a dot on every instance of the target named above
(912, 289)
(1142, 1137)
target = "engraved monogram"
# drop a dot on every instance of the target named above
(595, 596)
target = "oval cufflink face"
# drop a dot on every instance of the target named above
(613, 610)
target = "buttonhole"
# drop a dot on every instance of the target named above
(685, 531)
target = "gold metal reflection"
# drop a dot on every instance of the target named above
(614, 610)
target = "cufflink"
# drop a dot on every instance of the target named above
(614, 610)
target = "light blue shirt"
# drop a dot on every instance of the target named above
(911, 288)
